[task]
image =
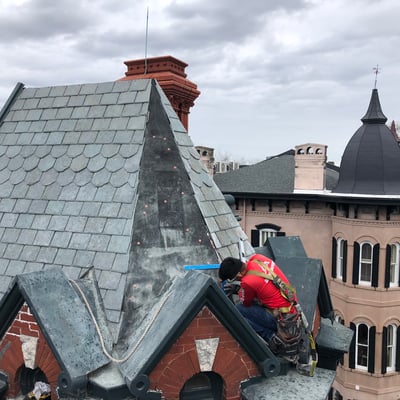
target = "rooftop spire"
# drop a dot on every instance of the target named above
(376, 72)
(374, 114)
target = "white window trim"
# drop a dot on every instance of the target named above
(339, 319)
(266, 233)
(392, 367)
(361, 281)
(339, 258)
(361, 367)
(396, 265)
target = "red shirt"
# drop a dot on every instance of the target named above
(256, 287)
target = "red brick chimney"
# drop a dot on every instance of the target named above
(170, 74)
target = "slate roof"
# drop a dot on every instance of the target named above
(75, 192)
(306, 274)
(67, 326)
(70, 330)
(300, 387)
(371, 160)
(103, 179)
(275, 175)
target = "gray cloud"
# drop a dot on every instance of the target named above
(44, 19)
(273, 74)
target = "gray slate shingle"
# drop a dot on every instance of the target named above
(70, 158)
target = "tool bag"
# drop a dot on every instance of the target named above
(288, 338)
(288, 341)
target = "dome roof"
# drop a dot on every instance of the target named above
(371, 160)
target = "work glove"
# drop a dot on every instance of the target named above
(231, 288)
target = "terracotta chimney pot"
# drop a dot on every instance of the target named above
(171, 76)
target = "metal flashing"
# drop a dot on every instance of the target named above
(173, 313)
(66, 325)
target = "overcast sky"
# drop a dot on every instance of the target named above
(272, 73)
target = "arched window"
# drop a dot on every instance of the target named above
(263, 232)
(203, 386)
(390, 347)
(340, 320)
(334, 394)
(266, 233)
(390, 361)
(339, 258)
(392, 265)
(365, 270)
(366, 264)
(362, 337)
(362, 348)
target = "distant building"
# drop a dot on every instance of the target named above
(350, 218)
(226, 166)
(215, 167)
(103, 202)
(207, 158)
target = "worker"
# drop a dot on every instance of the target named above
(260, 301)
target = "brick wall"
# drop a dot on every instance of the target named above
(11, 355)
(181, 362)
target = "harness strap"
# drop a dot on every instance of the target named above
(287, 290)
(275, 311)
(289, 293)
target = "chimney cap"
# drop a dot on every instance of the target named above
(156, 64)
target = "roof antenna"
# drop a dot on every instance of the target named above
(376, 72)
(145, 46)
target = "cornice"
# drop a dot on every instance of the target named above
(285, 215)
(365, 222)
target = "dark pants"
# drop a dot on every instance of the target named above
(259, 319)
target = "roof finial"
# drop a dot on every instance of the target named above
(376, 72)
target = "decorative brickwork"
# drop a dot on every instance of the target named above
(181, 362)
(171, 76)
(12, 356)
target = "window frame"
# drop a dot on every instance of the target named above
(363, 345)
(339, 257)
(391, 361)
(363, 261)
(266, 233)
(394, 264)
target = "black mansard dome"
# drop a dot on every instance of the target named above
(371, 160)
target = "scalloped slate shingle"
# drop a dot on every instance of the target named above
(73, 184)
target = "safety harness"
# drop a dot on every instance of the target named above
(289, 293)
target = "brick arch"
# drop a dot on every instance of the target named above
(46, 361)
(230, 365)
(233, 368)
(181, 361)
(174, 375)
(13, 360)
